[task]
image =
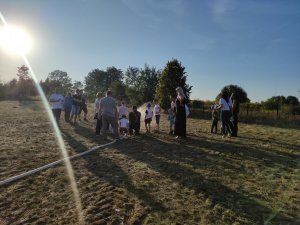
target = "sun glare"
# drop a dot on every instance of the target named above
(15, 40)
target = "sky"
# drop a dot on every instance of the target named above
(252, 43)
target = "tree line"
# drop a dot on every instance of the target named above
(135, 86)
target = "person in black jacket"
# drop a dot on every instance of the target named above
(235, 113)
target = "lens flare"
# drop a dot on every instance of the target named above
(58, 136)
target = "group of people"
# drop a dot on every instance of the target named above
(229, 108)
(73, 105)
(119, 121)
(110, 117)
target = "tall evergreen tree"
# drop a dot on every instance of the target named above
(172, 76)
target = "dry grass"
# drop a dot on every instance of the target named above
(149, 179)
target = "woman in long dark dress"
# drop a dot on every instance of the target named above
(180, 123)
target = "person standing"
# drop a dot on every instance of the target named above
(225, 105)
(57, 101)
(109, 112)
(171, 119)
(173, 102)
(148, 118)
(180, 123)
(96, 116)
(76, 106)
(83, 106)
(134, 121)
(68, 106)
(215, 119)
(235, 113)
(157, 116)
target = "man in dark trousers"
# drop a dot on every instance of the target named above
(235, 113)
(108, 110)
(134, 121)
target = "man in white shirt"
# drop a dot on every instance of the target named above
(57, 101)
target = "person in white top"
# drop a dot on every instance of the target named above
(122, 110)
(157, 116)
(124, 125)
(57, 101)
(148, 118)
(225, 105)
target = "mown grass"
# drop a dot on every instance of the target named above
(149, 179)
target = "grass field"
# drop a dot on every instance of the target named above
(148, 179)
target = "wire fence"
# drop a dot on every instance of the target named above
(283, 116)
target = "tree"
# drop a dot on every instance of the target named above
(148, 82)
(118, 90)
(274, 103)
(113, 74)
(239, 91)
(132, 75)
(25, 83)
(2, 91)
(292, 100)
(172, 76)
(77, 85)
(95, 82)
(57, 80)
(99, 81)
(133, 96)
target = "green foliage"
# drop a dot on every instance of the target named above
(278, 101)
(118, 90)
(196, 104)
(149, 78)
(292, 100)
(142, 83)
(95, 82)
(133, 96)
(25, 84)
(77, 85)
(59, 80)
(132, 75)
(100, 81)
(237, 90)
(172, 76)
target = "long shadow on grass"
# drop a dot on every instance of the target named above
(152, 152)
(107, 170)
(286, 145)
(269, 157)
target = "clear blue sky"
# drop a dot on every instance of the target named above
(252, 43)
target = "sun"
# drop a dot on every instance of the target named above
(15, 40)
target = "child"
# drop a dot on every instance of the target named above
(148, 117)
(134, 121)
(124, 125)
(171, 118)
(215, 119)
(157, 116)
